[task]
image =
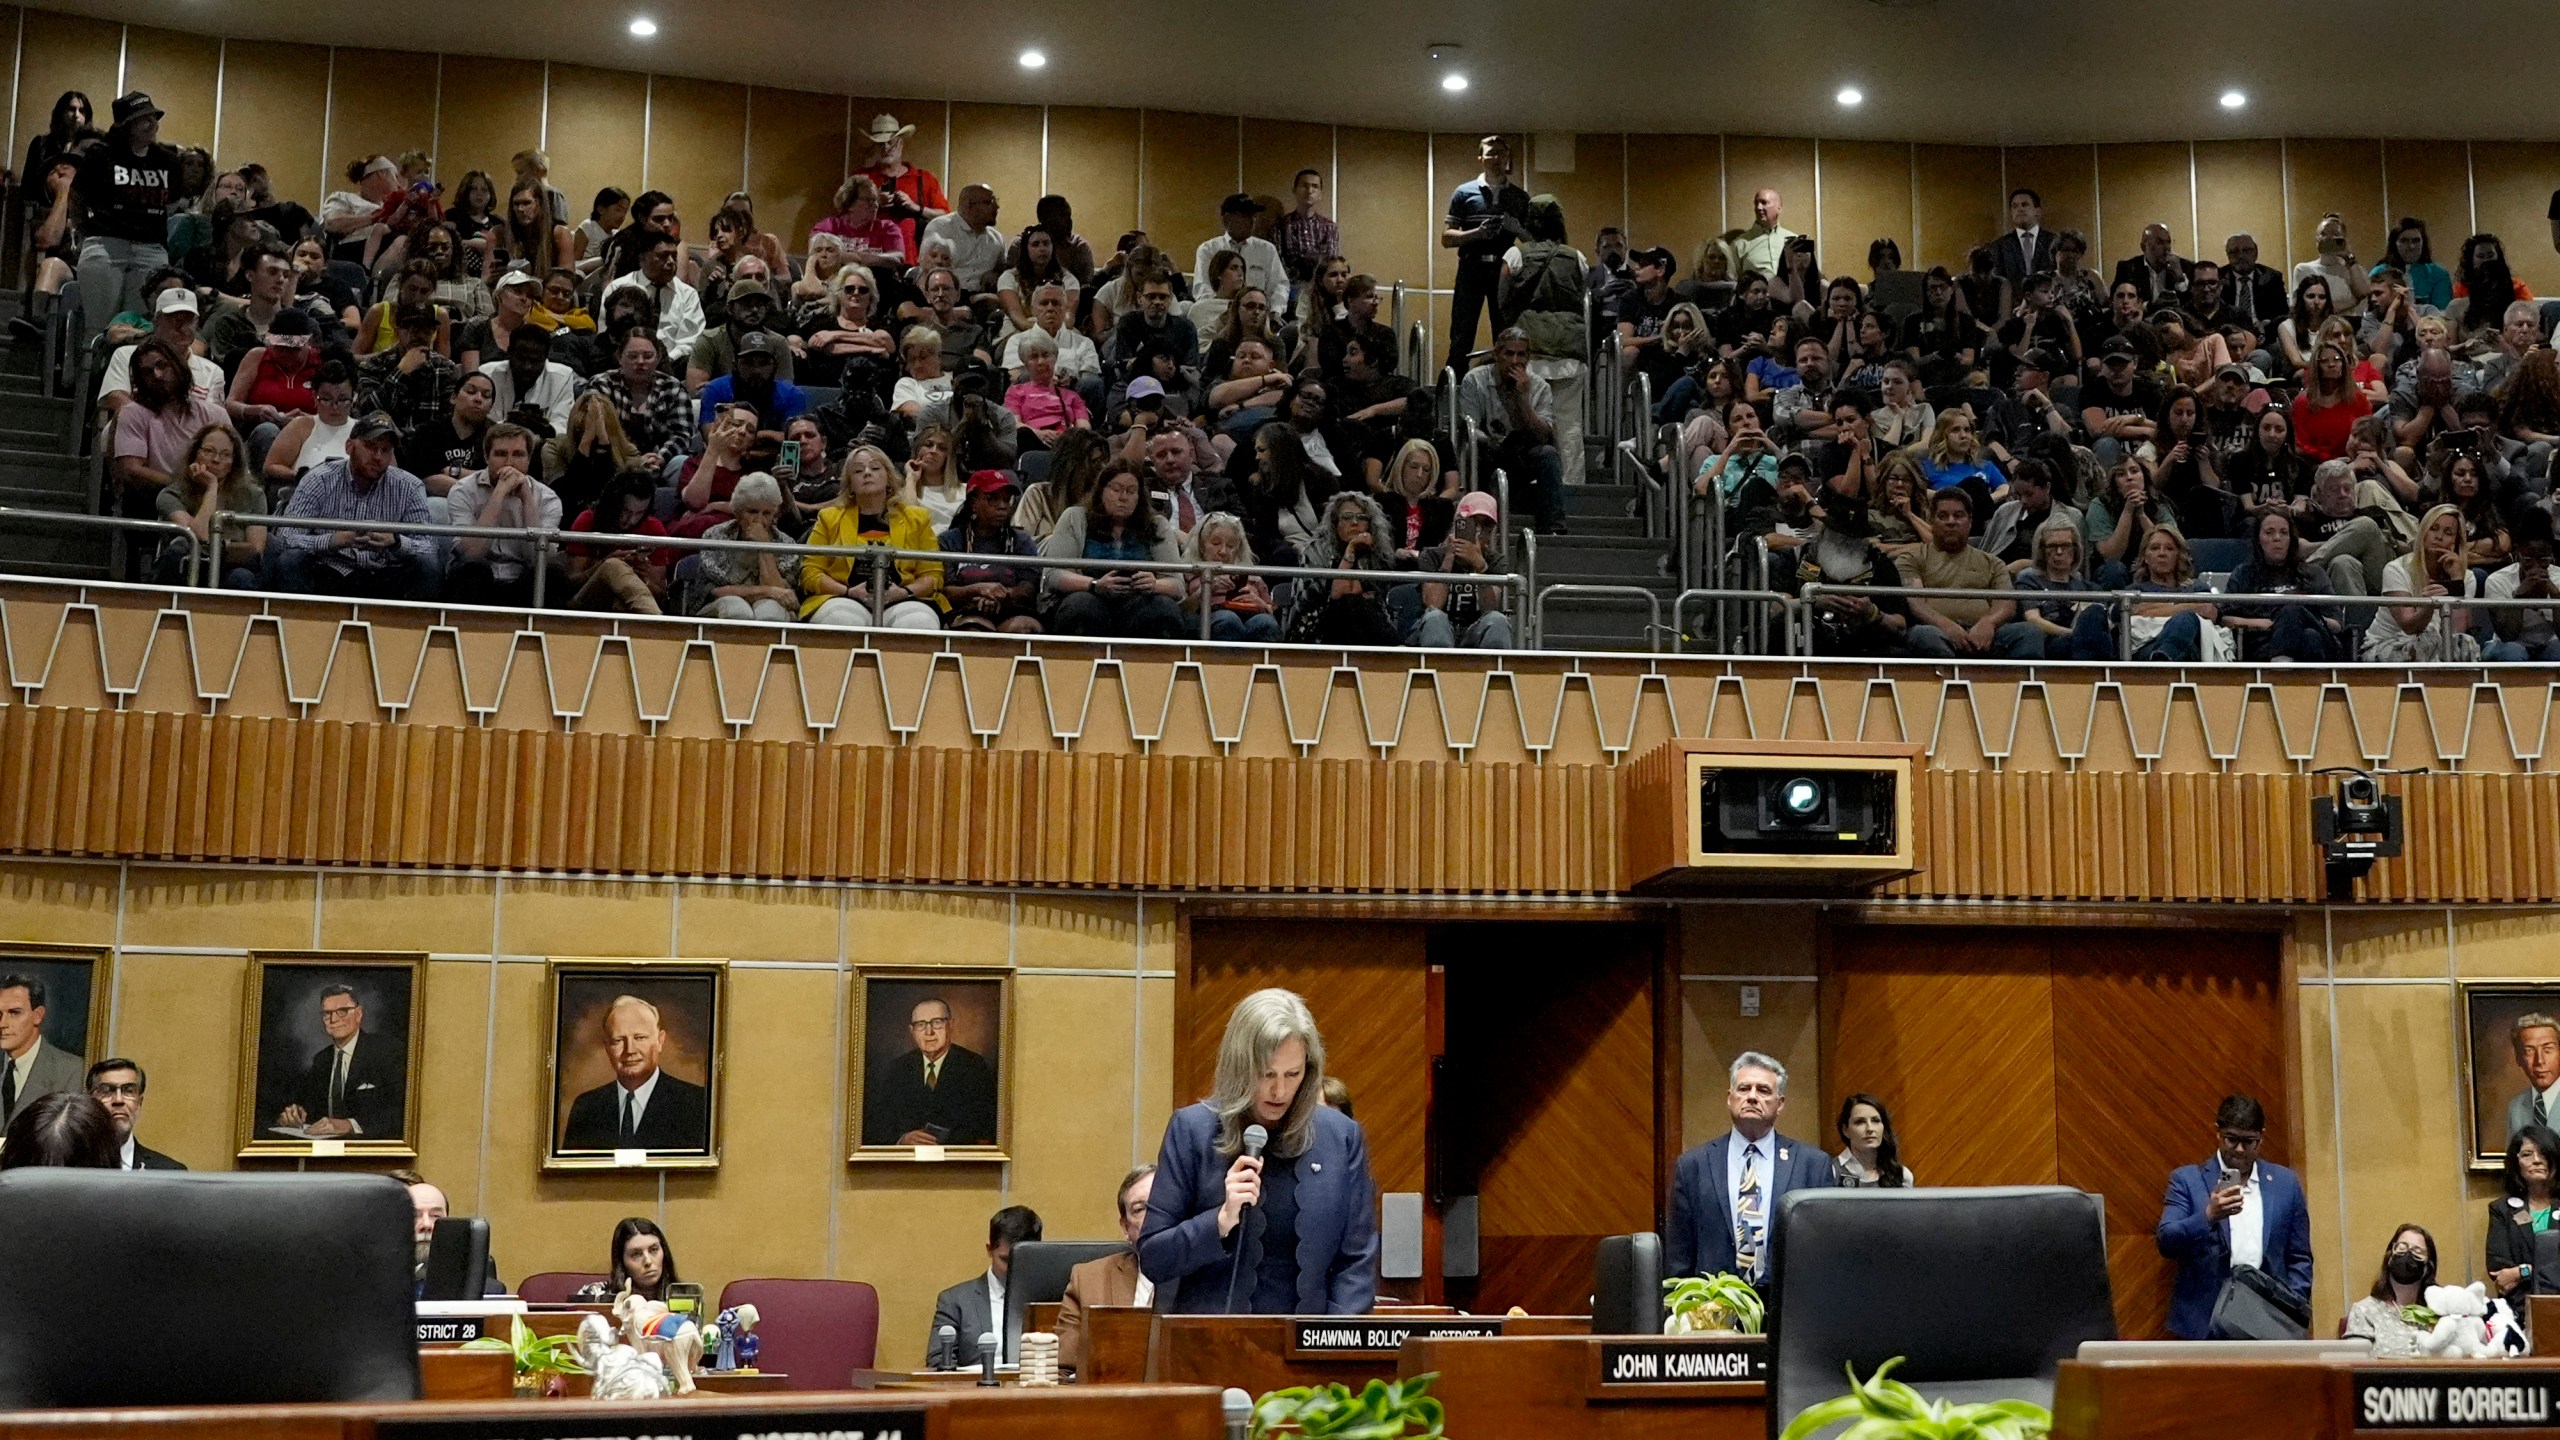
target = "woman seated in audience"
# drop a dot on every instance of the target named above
(1895, 517)
(1047, 407)
(1279, 492)
(1075, 470)
(748, 584)
(817, 282)
(1352, 535)
(760, 242)
(477, 225)
(2172, 630)
(2414, 255)
(2408, 1269)
(644, 1263)
(2434, 564)
(2457, 476)
(933, 477)
(315, 288)
(2268, 473)
(1870, 1157)
(1240, 605)
(1033, 263)
(440, 250)
(2330, 404)
(1940, 337)
(321, 436)
(531, 240)
(581, 460)
(2193, 358)
(707, 478)
(628, 578)
(838, 589)
(1248, 319)
(985, 593)
(1798, 286)
(2279, 563)
(65, 1128)
(213, 477)
(455, 443)
(2530, 415)
(730, 232)
(2058, 569)
(605, 219)
(1116, 294)
(1766, 369)
(273, 383)
(1226, 282)
(2184, 468)
(2124, 512)
(1986, 292)
(869, 237)
(487, 338)
(649, 399)
(2524, 1248)
(1418, 500)
(1750, 318)
(2295, 332)
(2482, 291)
(920, 351)
(1906, 417)
(415, 286)
(851, 347)
(1119, 525)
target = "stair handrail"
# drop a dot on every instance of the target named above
(115, 525)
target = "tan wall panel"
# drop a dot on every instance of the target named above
(66, 52)
(1714, 1030)
(1068, 1168)
(2511, 192)
(60, 904)
(999, 145)
(1593, 192)
(1093, 159)
(269, 94)
(909, 1231)
(1276, 150)
(1390, 221)
(178, 1016)
(179, 72)
(2402, 1151)
(2326, 175)
(2432, 180)
(2139, 184)
(1866, 195)
(778, 1159)
(697, 146)
(597, 134)
(449, 1115)
(1754, 161)
(492, 109)
(795, 159)
(368, 115)
(1957, 202)
(2067, 177)
(1190, 165)
(1675, 193)
(2239, 188)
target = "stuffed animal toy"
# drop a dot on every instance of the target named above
(2462, 1325)
(649, 1327)
(621, 1373)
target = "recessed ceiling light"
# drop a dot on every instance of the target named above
(1851, 95)
(1032, 59)
(1453, 82)
(644, 27)
(2233, 99)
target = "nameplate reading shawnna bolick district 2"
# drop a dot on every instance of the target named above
(1368, 1335)
(2469, 1399)
(1675, 1368)
(670, 1422)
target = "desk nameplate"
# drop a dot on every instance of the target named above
(1643, 1368)
(1346, 1336)
(674, 1421)
(2416, 1399)
(453, 1329)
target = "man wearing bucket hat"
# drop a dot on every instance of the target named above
(909, 195)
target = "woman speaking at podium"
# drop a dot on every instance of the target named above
(1263, 1202)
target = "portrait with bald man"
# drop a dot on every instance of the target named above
(635, 1062)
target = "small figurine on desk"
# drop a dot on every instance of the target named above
(649, 1327)
(621, 1373)
(736, 1346)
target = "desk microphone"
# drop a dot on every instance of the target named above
(1239, 1408)
(946, 1347)
(1255, 1138)
(987, 1358)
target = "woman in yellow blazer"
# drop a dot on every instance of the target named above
(868, 512)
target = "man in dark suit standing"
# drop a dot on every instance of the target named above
(2156, 272)
(2027, 248)
(642, 1107)
(1725, 1196)
(118, 1084)
(976, 1307)
(936, 1094)
(2233, 1210)
(356, 1086)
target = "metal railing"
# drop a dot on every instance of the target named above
(877, 558)
(116, 526)
(1746, 601)
(1652, 601)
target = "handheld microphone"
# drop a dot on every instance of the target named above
(987, 1358)
(1255, 1139)
(1239, 1408)
(946, 1346)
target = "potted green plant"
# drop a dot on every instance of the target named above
(541, 1360)
(1711, 1305)
(1384, 1410)
(1884, 1409)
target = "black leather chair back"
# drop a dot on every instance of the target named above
(457, 1260)
(1982, 1292)
(1626, 1285)
(1039, 1276)
(160, 1287)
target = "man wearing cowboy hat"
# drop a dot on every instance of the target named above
(909, 195)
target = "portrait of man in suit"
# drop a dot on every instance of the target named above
(332, 1045)
(642, 1107)
(357, 1084)
(30, 1065)
(2511, 1061)
(929, 1082)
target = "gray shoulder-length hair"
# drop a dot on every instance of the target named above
(1261, 1023)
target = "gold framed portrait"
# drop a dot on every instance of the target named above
(332, 1046)
(635, 1064)
(2510, 1054)
(929, 1064)
(54, 1001)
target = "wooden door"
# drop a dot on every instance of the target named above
(2088, 1057)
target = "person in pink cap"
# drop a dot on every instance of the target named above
(1468, 616)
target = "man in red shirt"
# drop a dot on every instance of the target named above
(909, 195)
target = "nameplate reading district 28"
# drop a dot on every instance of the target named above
(1678, 1362)
(451, 1329)
(671, 1422)
(1355, 1335)
(2429, 1399)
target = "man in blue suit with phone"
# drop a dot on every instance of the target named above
(1724, 1198)
(2233, 1210)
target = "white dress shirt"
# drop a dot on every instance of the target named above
(995, 1312)
(976, 255)
(553, 394)
(1263, 270)
(126, 1159)
(679, 312)
(2249, 1227)
(639, 1101)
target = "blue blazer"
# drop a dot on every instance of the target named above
(2203, 1248)
(1700, 1240)
(1180, 1248)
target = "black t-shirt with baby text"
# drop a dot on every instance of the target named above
(127, 195)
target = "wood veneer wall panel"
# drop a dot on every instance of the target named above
(2511, 196)
(269, 95)
(998, 146)
(1093, 159)
(1190, 163)
(697, 146)
(2340, 175)
(181, 73)
(489, 110)
(2239, 189)
(1957, 203)
(795, 158)
(383, 102)
(2137, 185)
(1867, 195)
(1390, 221)
(66, 52)
(597, 136)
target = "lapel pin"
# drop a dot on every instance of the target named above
(1317, 1167)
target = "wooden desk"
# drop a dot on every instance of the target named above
(1059, 1413)
(2321, 1399)
(446, 1373)
(1116, 1338)
(1041, 1318)
(2542, 1317)
(1555, 1387)
(1259, 1352)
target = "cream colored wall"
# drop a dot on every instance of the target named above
(1092, 1050)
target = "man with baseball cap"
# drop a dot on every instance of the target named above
(909, 195)
(365, 484)
(173, 318)
(986, 594)
(1468, 616)
(750, 308)
(1263, 268)
(755, 381)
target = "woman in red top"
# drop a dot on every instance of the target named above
(710, 476)
(274, 381)
(2331, 403)
(624, 578)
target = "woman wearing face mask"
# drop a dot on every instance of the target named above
(2408, 1268)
